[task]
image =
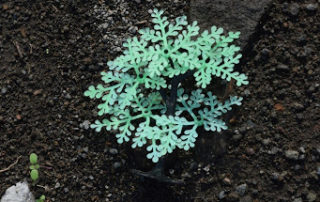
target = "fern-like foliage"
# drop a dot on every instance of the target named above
(168, 50)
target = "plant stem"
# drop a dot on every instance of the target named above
(172, 99)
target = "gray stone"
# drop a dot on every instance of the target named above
(274, 150)
(311, 197)
(297, 200)
(222, 195)
(85, 124)
(237, 137)
(299, 117)
(57, 185)
(66, 190)
(302, 157)
(294, 9)
(116, 165)
(266, 141)
(297, 106)
(86, 149)
(312, 7)
(4, 90)
(241, 189)
(275, 176)
(113, 151)
(231, 15)
(291, 154)
(18, 193)
(282, 68)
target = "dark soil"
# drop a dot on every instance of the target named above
(51, 51)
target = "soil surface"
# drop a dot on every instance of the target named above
(51, 51)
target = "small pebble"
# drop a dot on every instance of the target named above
(113, 151)
(282, 68)
(250, 151)
(312, 7)
(221, 195)
(302, 157)
(275, 176)
(299, 117)
(266, 141)
(207, 168)
(85, 149)
(4, 90)
(274, 150)
(57, 185)
(297, 200)
(311, 197)
(237, 137)
(116, 165)
(291, 154)
(297, 167)
(85, 124)
(294, 9)
(227, 181)
(241, 189)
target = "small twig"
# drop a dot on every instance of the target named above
(30, 48)
(10, 166)
(172, 99)
(46, 188)
(18, 49)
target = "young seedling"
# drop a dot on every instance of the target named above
(142, 93)
(34, 167)
(34, 173)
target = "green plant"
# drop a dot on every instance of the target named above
(143, 85)
(34, 172)
(34, 167)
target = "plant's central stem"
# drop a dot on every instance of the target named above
(171, 100)
(157, 172)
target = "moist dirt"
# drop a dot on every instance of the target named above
(51, 51)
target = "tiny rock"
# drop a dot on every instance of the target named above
(311, 7)
(116, 165)
(294, 9)
(113, 151)
(241, 189)
(221, 195)
(282, 68)
(311, 197)
(266, 141)
(18, 193)
(227, 181)
(4, 90)
(237, 137)
(291, 154)
(37, 92)
(250, 151)
(297, 200)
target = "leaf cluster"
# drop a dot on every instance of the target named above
(131, 86)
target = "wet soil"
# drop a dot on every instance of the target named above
(51, 51)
